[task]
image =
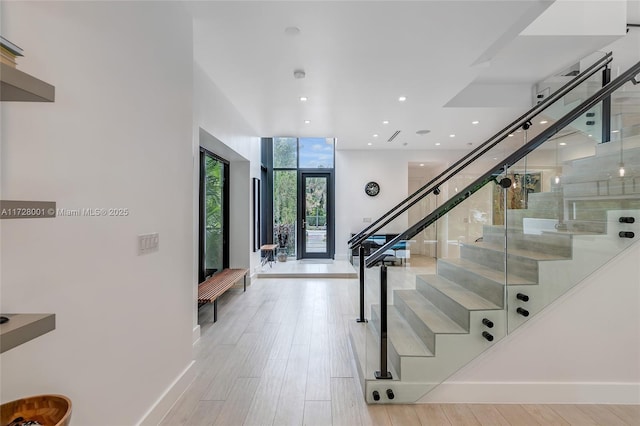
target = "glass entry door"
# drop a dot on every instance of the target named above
(315, 217)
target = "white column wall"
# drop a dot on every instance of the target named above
(119, 135)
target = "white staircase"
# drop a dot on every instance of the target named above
(453, 316)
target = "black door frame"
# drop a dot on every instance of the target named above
(202, 213)
(329, 174)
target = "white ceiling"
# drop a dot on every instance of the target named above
(360, 56)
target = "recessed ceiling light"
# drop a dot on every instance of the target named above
(615, 131)
(590, 136)
(385, 122)
(475, 122)
(519, 130)
(375, 135)
(369, 144)
(543, 122)
(421, 164)
(562, 143)
(452, 135)
(303, 99)
(437, 143)
(510, 135)
(423, 132)
(307, 121)
(402, 98)
(292, 31)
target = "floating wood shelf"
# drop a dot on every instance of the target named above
(21, 87)
(24, 327)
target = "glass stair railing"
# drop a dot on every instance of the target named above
(579, 88)
(497, 243)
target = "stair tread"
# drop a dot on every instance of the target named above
(492, 274)
(571, 233)
(465, 297)
(529, 254)
(435, 319)
(402, 337)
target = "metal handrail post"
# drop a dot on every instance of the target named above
(384, 372)
(361, 265)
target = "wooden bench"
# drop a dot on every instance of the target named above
(213, 287)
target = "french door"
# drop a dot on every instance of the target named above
(315, 215)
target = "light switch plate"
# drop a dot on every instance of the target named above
(148, 243)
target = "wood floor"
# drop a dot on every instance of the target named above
(279, 355)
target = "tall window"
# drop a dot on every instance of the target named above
(289, 158)
(214, 214)
(285, 195)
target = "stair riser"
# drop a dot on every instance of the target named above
(453, 309)
(514, 217)
(490, 290)
(430, 371)
(590, 226)
(424, 333)
(559, 245)
(537, 199)
(523, 267)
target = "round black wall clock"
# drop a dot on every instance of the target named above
(372, 189)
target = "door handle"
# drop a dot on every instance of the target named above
(304, 224)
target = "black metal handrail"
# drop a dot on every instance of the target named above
(473, 155)
(497, 171)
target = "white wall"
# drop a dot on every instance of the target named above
(219, 127)
(118, 135)
(231, 137)
(354, 168)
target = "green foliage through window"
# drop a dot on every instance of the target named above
(214, 239)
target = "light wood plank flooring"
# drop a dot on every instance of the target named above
(279, 355)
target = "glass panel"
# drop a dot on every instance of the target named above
(506, 246)
(591, 124)
(214, 209)
(315, 214)
(285, 199)
(316, 153)
(285, 153)
(570, 225)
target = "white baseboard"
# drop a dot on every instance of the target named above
(196, 334)
(162, 406)
(535, 393)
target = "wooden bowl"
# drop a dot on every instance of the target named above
(49, 410)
